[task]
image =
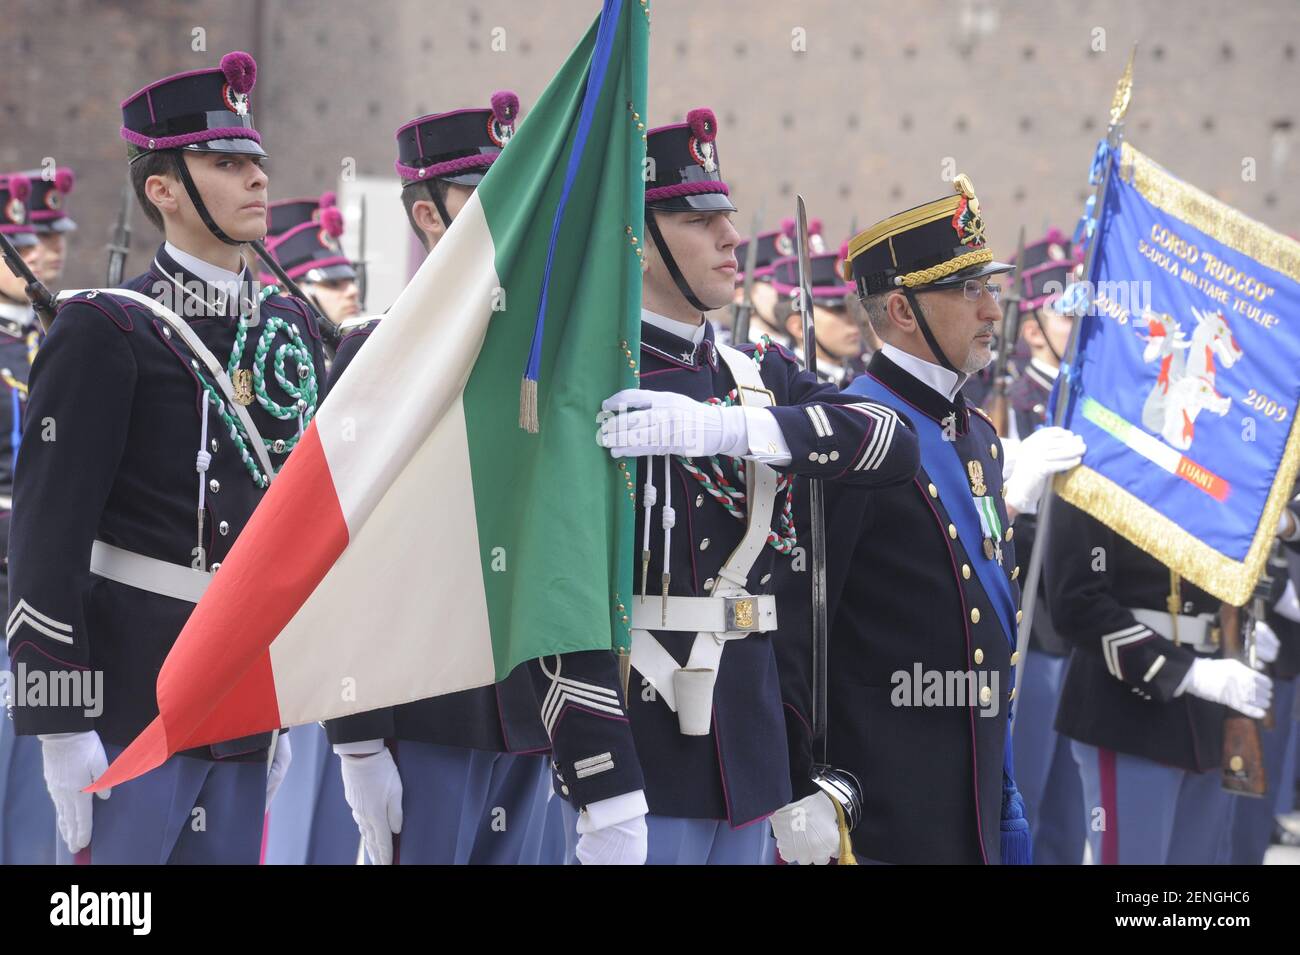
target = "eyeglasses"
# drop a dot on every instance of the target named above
(972, 289)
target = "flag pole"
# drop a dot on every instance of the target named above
(1114, 137)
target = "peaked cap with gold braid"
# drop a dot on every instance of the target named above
(936, 245)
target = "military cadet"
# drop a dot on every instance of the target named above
(27, 828)
(309, 251)
(922, 579)
(155, 427)
(839, 339)
(774, 245)
(721, 435)
(461, 778)
(1045, 770)
(1145, 695)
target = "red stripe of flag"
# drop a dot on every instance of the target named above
(216, 683)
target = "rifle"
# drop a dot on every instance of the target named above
(42, 301)
(119, 243)
(1243, 754)
(360, 266)
(1000, 411)
(742, 310)
(329, 332)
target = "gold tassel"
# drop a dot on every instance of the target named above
(528, 406)
(846, 843)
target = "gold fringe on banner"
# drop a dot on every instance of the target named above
(1216, 219)
(1230, 580)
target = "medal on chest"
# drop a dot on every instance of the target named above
(242, 382)
(986, 507)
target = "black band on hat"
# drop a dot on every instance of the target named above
(666, 254)
(927, 334)
(183, 170)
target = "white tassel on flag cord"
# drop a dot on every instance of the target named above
(201, 463)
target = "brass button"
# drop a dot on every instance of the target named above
(699, 500)
(952, 531)
(835, 455)
(1011, 532)
(1015, 657)
(1004, 490)
(214, 485)
(812, 456)
(766, 578)
(223, 528)
(986, 696)
(564, 790)
(215, 445)
(965, 571)
(704, 544)
(934, 491)
(708, 584)
(1019, 614)
(993, 450)
(979, 655)
(974, 614)
(1013, 693)
(216, 567)
(1016, 572)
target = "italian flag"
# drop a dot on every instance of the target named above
(419, 539)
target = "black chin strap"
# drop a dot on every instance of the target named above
(183, 170)
(1046, 341)
(664, 253)
(929, 335)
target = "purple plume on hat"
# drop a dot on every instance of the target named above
(505, 106)
(815, 227)
(331, 220)
(64, 180)
(240, 69)
(20, 187)
(787, 228)
(703, 124)
(1054, 235)
(328, 199)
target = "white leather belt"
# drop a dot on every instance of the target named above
(148, 573)
(708, 616)
(1193, 632)
(732, 616)
(6, 502)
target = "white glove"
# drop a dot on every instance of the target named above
(636, 422)
(373, 789)
(280, 761)
(1231, 683)
(72, 762)
(624, 843)
(807, 832)
(1046, 452)
(1267, 644)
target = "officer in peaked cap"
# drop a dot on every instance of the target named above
(923, 575)
(705, 707)
(159, 463)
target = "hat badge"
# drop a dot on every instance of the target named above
(235, 102)
(704, 130)
(53, 199)
(15, 210)
(501, 123)
(967, 221)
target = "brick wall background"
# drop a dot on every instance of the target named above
(861, 120)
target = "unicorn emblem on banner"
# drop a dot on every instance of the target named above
(1184, 385)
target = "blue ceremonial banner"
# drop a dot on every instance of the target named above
(1186, 383)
